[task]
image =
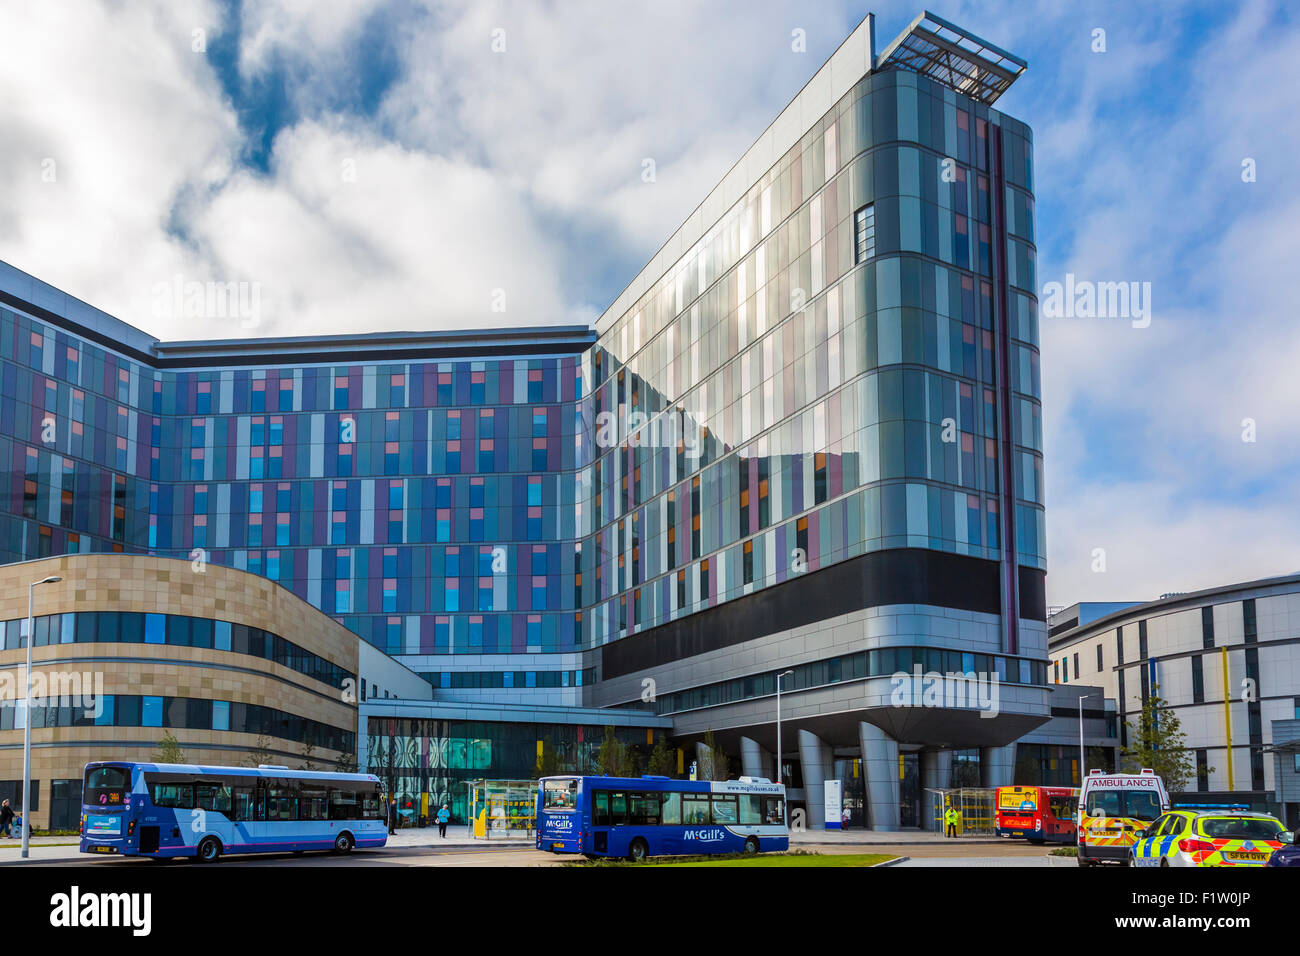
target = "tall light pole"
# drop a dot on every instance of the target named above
(780, 774)
(1083, 770)
(27, 713)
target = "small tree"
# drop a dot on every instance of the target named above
(259, 753)
(548, 760)
(1156, 740)
(346, 762)
(308, 756)
(717, 766)
(169, 750)
(663, 759)
(613, 757)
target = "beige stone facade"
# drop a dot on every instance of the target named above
(129, 583)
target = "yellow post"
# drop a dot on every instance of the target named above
(1227, 714)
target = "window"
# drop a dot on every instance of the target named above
(107, 785)
(344, 805)
(242, 800)
(213, 796)
(618, 809)
(724, 810)
(313, 805)
(560, 795)
(1239, 828)
(864, 233)
(751, 809)
(1100, 665)
(179, 796)
(600, 809)
(643, 809)
(695, 808)
(773, 810)
(672, 807)
(281, 802)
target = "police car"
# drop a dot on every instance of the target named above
(1209, 836)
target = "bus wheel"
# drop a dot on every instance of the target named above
(209, 850)
(638, 851)
(343, 843)
(751, 846)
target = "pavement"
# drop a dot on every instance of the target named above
(423, 847)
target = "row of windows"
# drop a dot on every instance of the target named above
(457, 680)
(125, 627)
(272, 799)
(857, 666)
(631, 808)
(187, 713)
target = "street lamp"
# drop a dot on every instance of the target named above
(1083, 770)
(27, 713)
(780, 770)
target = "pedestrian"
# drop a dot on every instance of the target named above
(392, 816)
(444, 816)
(952, 821)
(845, 817)
(6, 819)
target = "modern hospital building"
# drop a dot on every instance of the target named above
(805, 440)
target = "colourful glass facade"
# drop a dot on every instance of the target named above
(818, 378)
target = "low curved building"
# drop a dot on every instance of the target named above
(128, 648)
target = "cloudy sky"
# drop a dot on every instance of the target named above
(379, 165)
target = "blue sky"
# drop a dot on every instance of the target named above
(377, 164)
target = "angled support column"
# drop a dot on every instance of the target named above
(936, 774)
(815, 759)
(755, 761)
(880, 768)
(997, 766)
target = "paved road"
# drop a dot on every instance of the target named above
(389, 856)
(954, 853)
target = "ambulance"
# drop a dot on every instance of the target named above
(1114, 811)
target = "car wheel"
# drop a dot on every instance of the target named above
(209, 850)
(638, 852)
(1083, 862)
(1164, 861)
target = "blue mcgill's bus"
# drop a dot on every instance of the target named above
(164, 810)
(639, 817)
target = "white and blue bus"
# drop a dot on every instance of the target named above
(639, 817)
(166, 810)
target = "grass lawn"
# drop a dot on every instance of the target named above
(803, 859)
(798, 858)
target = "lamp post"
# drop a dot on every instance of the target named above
(1083, 770)
(27, 713)
(780, 770)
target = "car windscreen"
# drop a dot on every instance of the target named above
(1239, 828)
(1142, 805)
(1133, 804)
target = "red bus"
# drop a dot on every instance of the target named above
(1038, 814)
